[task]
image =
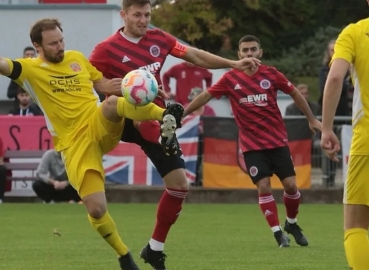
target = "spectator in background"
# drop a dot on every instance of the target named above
(328, 166)
(28, 52)
(343, 104)
(25, 106)
(53, 184)
(292, 109)
(2, 171)
(187, 76)
(205, 110)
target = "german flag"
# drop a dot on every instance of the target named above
(223, 164)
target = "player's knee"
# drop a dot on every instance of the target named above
(263, 186)
(178, 185)
(289, 185)
(111, 101)
(95, 204)
(97, 211)
(176, 179)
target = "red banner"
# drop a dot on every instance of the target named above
(25, 133)
(126, 164)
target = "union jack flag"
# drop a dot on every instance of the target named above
(128, 164)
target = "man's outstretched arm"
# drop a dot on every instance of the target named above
(198, 102)
(210, 61)
(4, 67)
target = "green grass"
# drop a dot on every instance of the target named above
(206, 237)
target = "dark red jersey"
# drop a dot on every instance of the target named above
(117, 55)
(254, 105)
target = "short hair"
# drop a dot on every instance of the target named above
(128, 3)
(43, 25)
(249, 38)
(302, 86)
(20, 90)
(29, 48)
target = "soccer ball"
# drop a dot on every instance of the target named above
(139, 87)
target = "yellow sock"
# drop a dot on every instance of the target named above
(357, 248)
(105, 226)
(142, 113)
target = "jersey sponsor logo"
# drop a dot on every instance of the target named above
(62, 84)
(155, 50)
(153, 68)
(75, 67)
(265, 84)
(257, 100)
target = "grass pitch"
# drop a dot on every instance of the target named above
(206, 237)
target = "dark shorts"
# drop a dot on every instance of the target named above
(163, 163)
(264, 163)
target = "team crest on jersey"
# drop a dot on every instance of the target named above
(253, 171)
(75, 67)
(155, 50)
(265, 84)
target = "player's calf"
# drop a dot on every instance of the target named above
(291, 199)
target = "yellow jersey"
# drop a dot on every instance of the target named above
(352, 45)
(63, 91)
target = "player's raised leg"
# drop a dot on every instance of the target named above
(291, 200)
(115, 109)
(356, 213)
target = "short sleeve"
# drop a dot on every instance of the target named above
(283, 83)
(99, 58)
(95, 75)
(220, 88)
(344, 47)
(18, 70)
(170, 40)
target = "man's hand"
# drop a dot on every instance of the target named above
(247, 63)
(115, 86)
(162, 93)
(59, 185)
(330, 144)
(315, 125)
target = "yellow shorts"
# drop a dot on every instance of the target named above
(356, 189)
(94, 140)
